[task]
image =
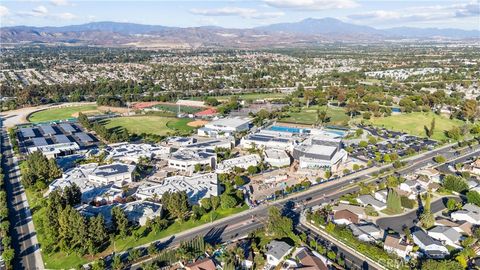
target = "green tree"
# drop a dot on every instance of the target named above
(394, 203)
(227, 201)
(177, 204)
(473, 197)
(119, 221)
(455, 183)
(277, 225)
(441, 265)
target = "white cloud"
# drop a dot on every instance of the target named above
(4, 11)
(40, 11)
(59, 2)
(312, 4)
(237, 11)
(66, 16)
(420, 13)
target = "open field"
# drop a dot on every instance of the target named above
(308, 116)
(61, 113)
(413, 123)
(174, 108)
(149, 124)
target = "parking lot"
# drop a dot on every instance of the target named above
(392, 142)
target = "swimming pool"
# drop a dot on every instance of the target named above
(287, 129)
(336, 132)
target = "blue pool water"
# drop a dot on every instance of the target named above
(336, 132)
(287, 129)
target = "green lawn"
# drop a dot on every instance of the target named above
(308, 116)
(149, 124)
(59, 113)
(413, 123)
(174, 108)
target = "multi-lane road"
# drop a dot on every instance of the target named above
(24, 238)
(241, 224)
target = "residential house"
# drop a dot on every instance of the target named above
(381, 195)
(432, 248)
(470, 213)
(431, 174)
(202, 264)
(448, 235)
(346, 214)
(367, 232)
(310, 260)
(365, 200)
(397, 245)
(277, 252)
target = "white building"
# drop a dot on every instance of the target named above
(320, 152)
(197, 187)
(447, 235)
(55, 150)
(137, 212)
(277, 158)
(241, 162)
(98, 190)
(431, 247)
(129, 152)
(265, 139)
(115, 173)
(277, 252)
(212, 144)
(225, 127)
(469, 213)
(186, 159)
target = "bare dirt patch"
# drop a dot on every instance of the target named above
(197, 123)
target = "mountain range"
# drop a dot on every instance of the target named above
(307, 32)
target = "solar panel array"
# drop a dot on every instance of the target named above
(62, 139)
(84, 137)
(48, 130)
(27, 132)
(67, 128)
(39, 141)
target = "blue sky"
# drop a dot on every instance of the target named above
(243, 14)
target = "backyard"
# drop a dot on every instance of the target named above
(158, 125)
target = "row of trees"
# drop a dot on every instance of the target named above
(38, 171)
(66, 229)
(8, 253)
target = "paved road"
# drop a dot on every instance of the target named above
(410, 219)
(23, 233)
(240, 225)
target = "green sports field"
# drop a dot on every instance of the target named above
(308, 116)
(251, 96)
(413, 123)
(149, 124)
(61, 113)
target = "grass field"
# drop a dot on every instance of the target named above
(309, 116)
(413, 123)
(60, 113)
(174, 108)
(149, 124)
